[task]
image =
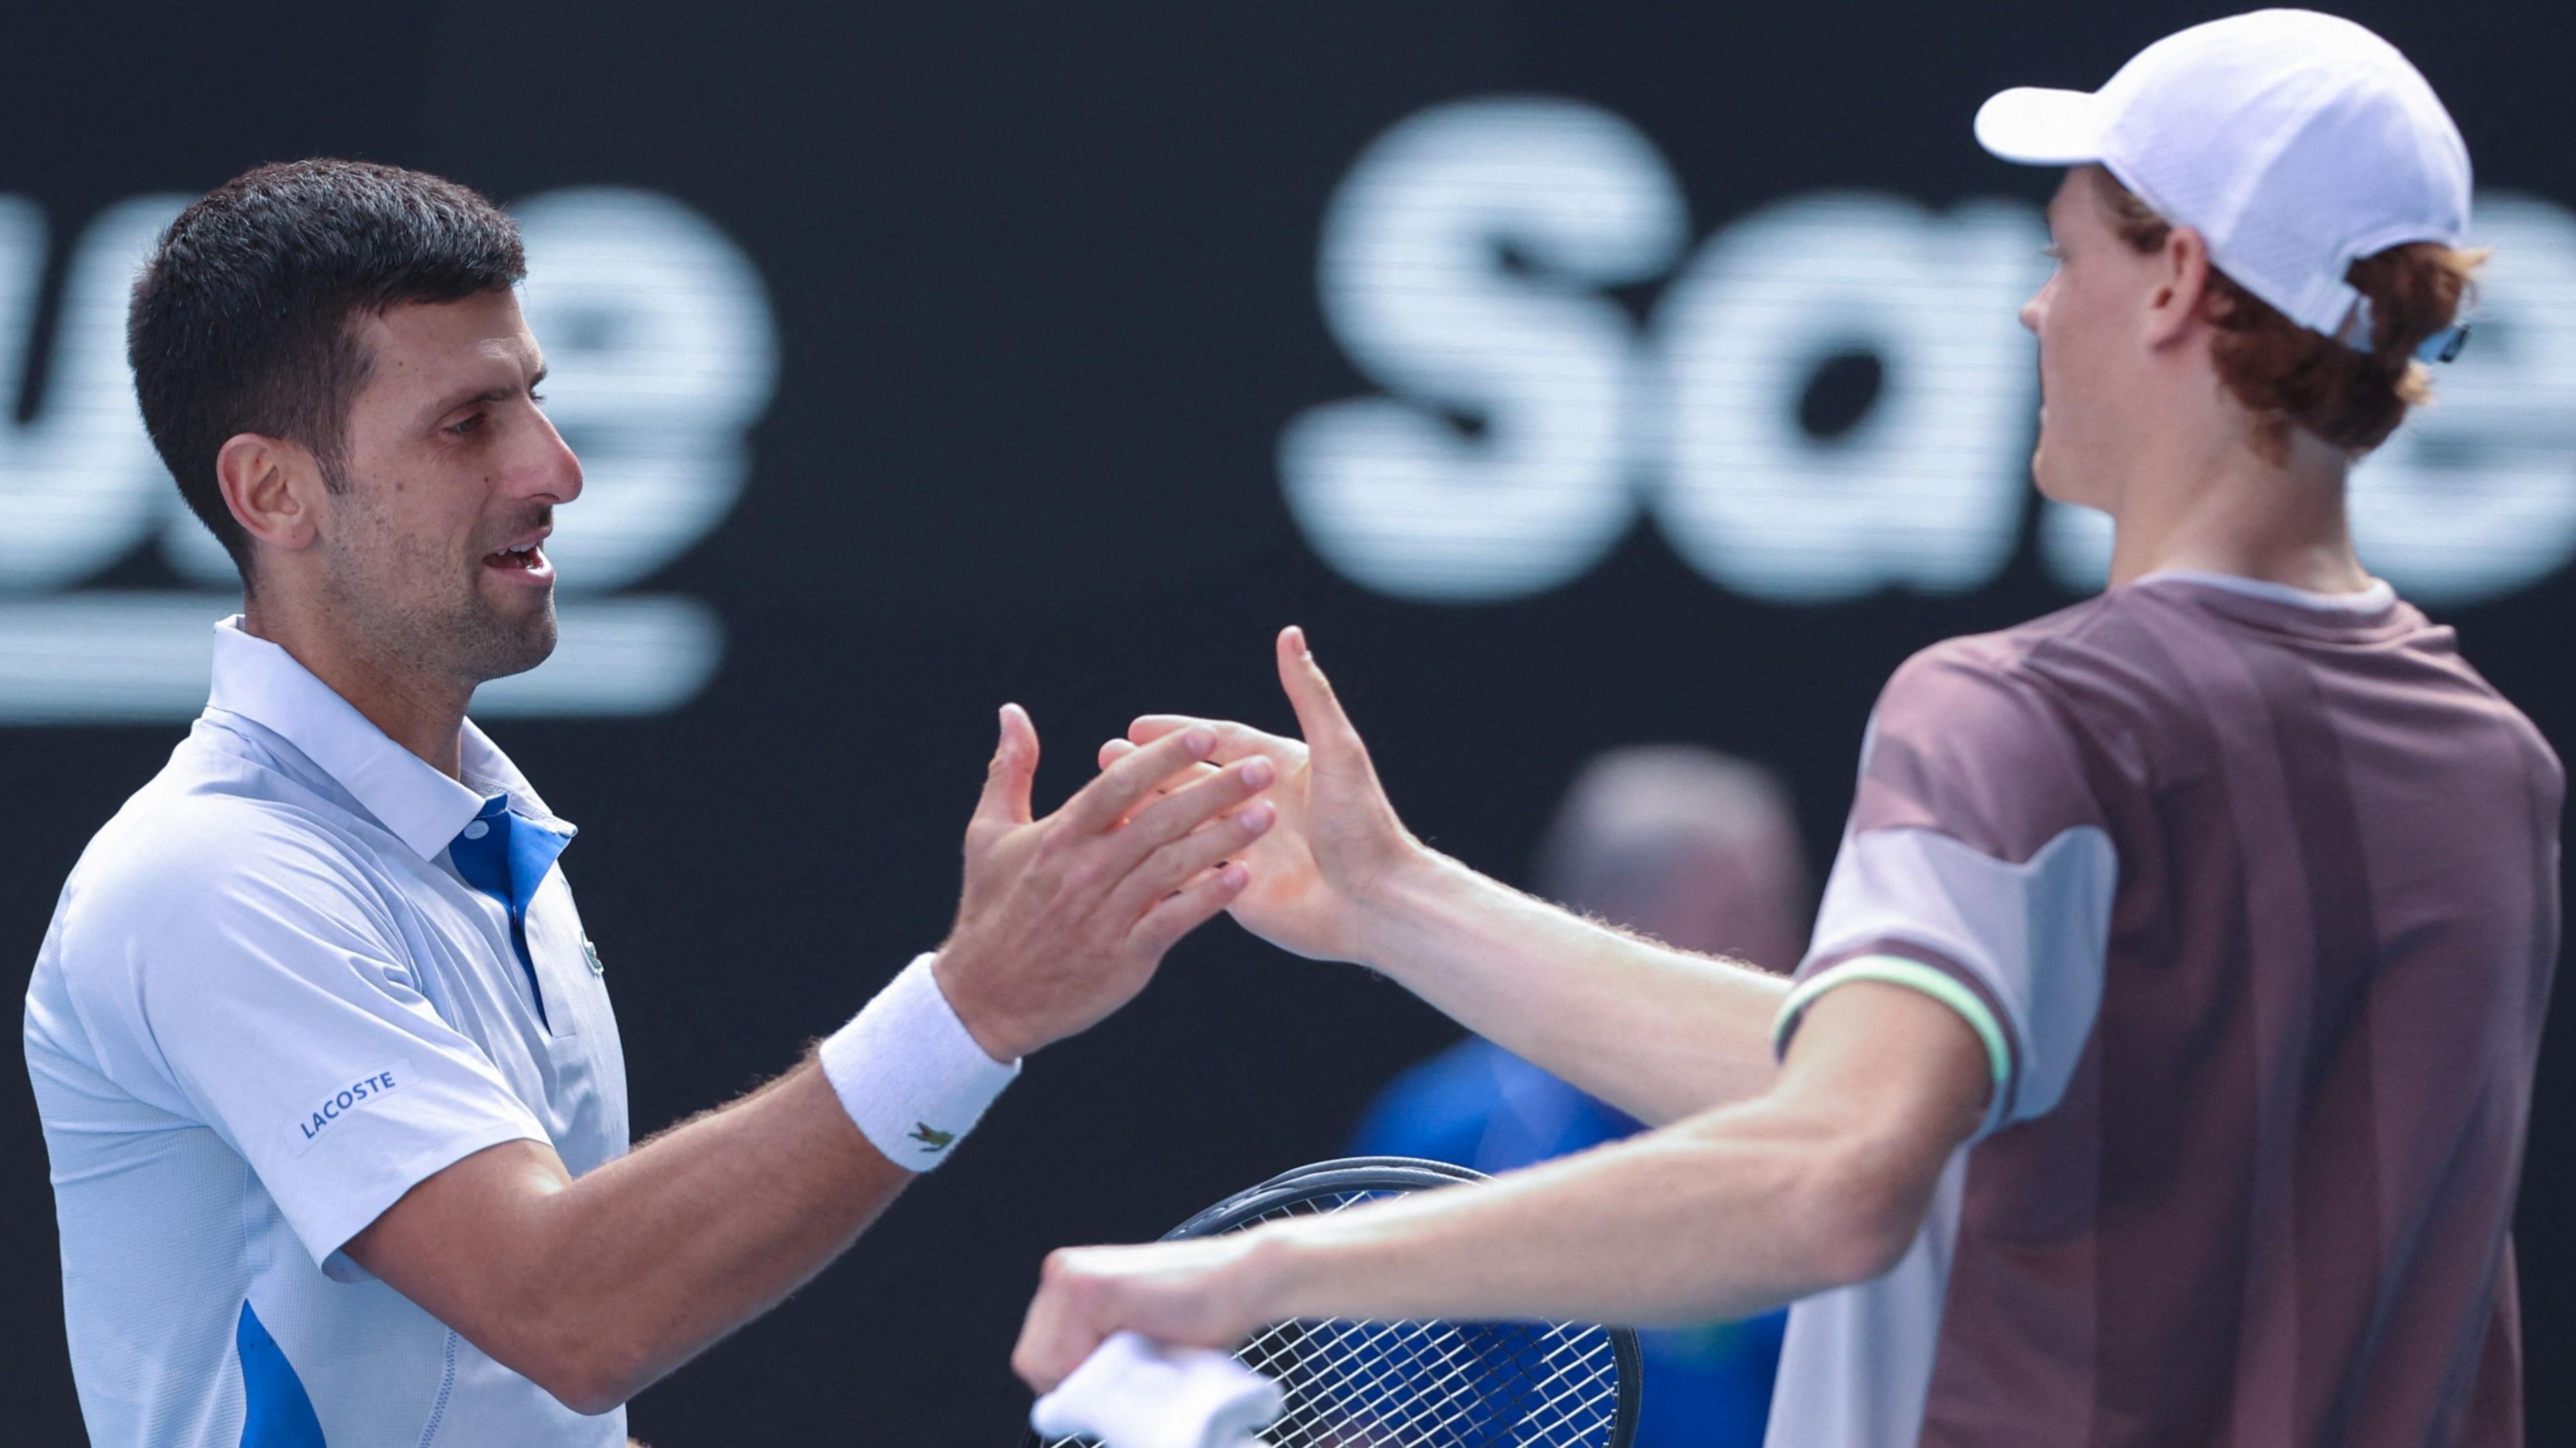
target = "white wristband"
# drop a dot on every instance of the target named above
(909, 1073)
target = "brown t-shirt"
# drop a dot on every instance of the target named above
(2252, 895)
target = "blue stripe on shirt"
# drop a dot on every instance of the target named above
(275, 1411)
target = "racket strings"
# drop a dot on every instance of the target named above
(1431, 1384)
(1439, 1385)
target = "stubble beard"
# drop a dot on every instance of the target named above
(464, 639)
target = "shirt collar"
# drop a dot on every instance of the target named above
(488, 771)
(257, 680)
(2377, 598)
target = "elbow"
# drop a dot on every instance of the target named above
(588, 1387)
(586, 1384)
(579, 1364)
(1857, 1216)
(1865, 1250)
(589, 1394)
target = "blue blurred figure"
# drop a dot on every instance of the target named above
(1694, 848)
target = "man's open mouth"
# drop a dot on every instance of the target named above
(528, 557)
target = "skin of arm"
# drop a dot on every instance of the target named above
(1658, 1032)
(597, 1286)
(1819, 1182)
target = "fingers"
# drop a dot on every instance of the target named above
(1149, 727)
(1041, 1360)
(1188, 908)
(1013, 770)
(1183, 810)
(1233, 741)
(1111, 751)
(1187, 1293)
(1180, 860)
(1043, 1357)
(1101, 804)
(1319, 712)
(1058, 1333)
(1118, 749)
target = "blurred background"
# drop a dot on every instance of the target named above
(1584, 377)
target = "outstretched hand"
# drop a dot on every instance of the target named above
(1201, 1293)
(1063, 919)
(1338, 845)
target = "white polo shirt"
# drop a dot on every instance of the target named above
(268, 1005)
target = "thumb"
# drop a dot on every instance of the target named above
(1320, 718)
(1014, 769)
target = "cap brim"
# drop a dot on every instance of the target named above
(2037, 127)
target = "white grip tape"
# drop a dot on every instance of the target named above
(910, 1074)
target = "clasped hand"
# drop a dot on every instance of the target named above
(1062, 920)
(1321, 884)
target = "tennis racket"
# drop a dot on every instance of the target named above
(1420, 1384)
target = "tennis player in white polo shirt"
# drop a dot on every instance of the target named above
(326, 1065)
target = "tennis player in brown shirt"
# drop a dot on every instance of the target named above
(2159, 1070)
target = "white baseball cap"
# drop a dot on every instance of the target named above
(2295, 143)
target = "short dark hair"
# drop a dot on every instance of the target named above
(242, 321)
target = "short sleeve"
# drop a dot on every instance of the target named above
(258, 983)
(1977, 868)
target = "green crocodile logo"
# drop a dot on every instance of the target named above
(931, 1137)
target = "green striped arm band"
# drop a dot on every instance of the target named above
(1913, 975)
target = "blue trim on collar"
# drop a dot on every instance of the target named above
(506, 855)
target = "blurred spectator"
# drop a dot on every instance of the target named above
(1694, 848)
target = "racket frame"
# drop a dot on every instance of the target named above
(1392, 1174)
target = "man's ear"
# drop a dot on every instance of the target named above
(273, 488)
(2182, 285)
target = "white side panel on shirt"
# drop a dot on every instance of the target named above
(1856, 1366)
(2036, 934)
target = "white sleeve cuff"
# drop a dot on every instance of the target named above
(909, 1073)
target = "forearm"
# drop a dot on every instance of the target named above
(1658, 1032)
(1717, 1218)
(1822, 1181)
(636, 1267)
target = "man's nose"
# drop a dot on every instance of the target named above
(555, 473)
